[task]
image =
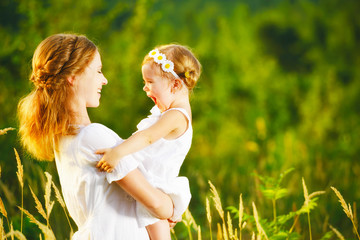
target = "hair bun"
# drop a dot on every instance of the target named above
(42, 79)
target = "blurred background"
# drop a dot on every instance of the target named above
(280, 89)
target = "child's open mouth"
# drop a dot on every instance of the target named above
(154, 99)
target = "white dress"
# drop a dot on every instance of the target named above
(160, 163)
(99, 209)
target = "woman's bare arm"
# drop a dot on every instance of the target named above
(158, 203)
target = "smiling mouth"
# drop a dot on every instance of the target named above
(153, 98)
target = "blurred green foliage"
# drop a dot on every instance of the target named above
(280, 89)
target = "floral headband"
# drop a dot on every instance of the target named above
(166, 64)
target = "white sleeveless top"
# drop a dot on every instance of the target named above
(161, 163)
(165, 157)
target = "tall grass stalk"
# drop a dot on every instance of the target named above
(48, 203)
(5, 130)
(39, 206)
(348, 211)
(337, 233)
(218, 206)
(199, 233)
(189, 222)
(208, 215)
(219, 234)
(62, 203)
(20, 175)
(230, 227)
(306, 203)
(14, 233)
(4, 213)
(48, 233)
(258, 225)
(241, 215)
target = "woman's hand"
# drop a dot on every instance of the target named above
(108, 161)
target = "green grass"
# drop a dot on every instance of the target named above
(230, 223)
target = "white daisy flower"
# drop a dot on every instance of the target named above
(153, 53)
(167, 66)
(160, 58)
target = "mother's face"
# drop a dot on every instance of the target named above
(90, 82)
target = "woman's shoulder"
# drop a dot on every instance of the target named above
(97, 136)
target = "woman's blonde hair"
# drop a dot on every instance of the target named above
(186, 65)
(45, 114)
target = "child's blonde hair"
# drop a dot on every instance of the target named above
(45, 114)
(186, 65)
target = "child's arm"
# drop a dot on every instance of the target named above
(172, 123)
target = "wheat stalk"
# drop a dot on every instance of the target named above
(217, 201)
(20, 176)
(317, 193)
(241, 214)
(253, 236)
(2, 208)
(48, 203)
(258, 225)
(225, 234)
(208, 215)
(48, 233)
(230, 226)
(5, 130)
(347, 210)
(306, 203)
(20, 169)
(14, 233)
(199, 233)
(4, 213)
(58, 196)
(189, 221)
(62, 203)
(2, 230)
(38, 206)
(171, 230)
(355, 216)
(219, 235)
(337, 233)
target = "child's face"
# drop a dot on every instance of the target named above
(157, 88)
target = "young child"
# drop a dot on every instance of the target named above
(163, 139)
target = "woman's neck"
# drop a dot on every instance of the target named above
(82, 120)
(81, 115)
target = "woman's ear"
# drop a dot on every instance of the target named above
(71, 80)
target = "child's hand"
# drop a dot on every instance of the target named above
(106, 164)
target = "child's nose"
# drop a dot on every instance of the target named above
(145, 88)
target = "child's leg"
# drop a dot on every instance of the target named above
(159, 230)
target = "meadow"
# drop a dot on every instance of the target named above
(233, 223)
(279, 91)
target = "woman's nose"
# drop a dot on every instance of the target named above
(145, 88)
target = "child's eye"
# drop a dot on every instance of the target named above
(100, 71)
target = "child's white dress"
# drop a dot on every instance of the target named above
(160, 163)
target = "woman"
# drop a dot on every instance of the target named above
(67, 78)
